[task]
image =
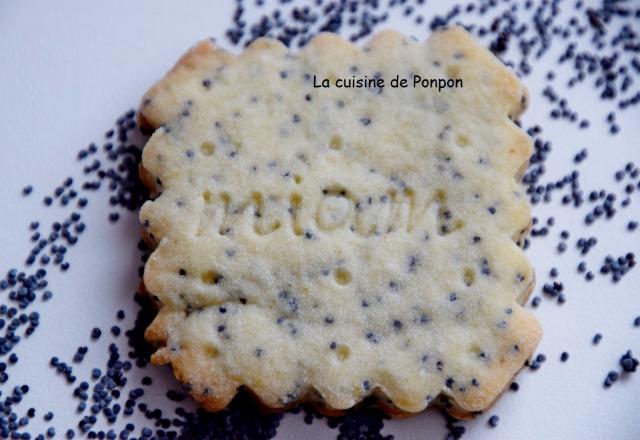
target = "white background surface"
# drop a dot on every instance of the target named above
(69, 68)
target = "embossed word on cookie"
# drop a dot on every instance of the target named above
(328, 244)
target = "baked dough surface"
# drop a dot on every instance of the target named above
(326, 244)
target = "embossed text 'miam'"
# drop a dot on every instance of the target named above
(335, 209)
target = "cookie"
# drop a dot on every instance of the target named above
(325, 244)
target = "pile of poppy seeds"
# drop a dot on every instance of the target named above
(604, 62)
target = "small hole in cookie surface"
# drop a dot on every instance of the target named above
(211, 350)
(469, 276)
(207, 148)
(210, 277)
(336, 142)
(343, 352)
(453, 71)
(462, 140)
(343, 276)
(476, 350)
(295, 201)
(441, 196)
